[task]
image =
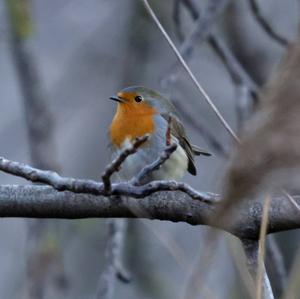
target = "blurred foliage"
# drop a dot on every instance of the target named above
(19, 11)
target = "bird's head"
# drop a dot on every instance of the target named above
(141, 100)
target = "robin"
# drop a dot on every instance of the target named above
(142, 111)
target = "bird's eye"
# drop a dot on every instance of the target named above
(138, 99)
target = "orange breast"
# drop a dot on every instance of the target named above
(130, 124)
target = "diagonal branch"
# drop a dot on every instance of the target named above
(238, 74)
(203, 26)
(164, 156)
(256, 11)
(189, 72)
(177, 17)
(202, 29)
(115, 165)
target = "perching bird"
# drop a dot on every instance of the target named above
(142, 111)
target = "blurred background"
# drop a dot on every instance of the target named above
(82, 52)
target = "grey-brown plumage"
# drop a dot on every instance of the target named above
(178, 131)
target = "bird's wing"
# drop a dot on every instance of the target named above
(178, 131)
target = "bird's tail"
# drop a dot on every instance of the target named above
(198, 151)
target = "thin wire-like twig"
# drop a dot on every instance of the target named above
(237, 72)
(256, 11)
(291, 199)
(202, 128)
(188, 70)
(182, 61)
(261, 247)
(202, 29)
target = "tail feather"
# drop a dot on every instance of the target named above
(198, 151)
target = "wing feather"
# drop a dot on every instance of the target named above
(178, 131)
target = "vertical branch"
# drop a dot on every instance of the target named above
(38, 118)
(41, 144)
(113, 268)
(275, 266)
(251, 251)
(137, 51)
(255, 254)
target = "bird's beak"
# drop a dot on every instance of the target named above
(117, 99)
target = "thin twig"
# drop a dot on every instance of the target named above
(261, 271)
(202, 128)
(202, 28)
(291, 199)
(147, 170)
(238, 74)
(115, 165)
(256, 11)
(95, 188)
(188, 70)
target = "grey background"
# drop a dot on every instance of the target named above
(85, 52)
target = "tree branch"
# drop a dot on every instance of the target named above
(265, 24)
(113, 267)
(251, 251)
(45, 202)
(275, 266)
(59, 183)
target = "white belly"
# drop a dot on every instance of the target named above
(173, 168)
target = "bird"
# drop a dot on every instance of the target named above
(142, 111)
